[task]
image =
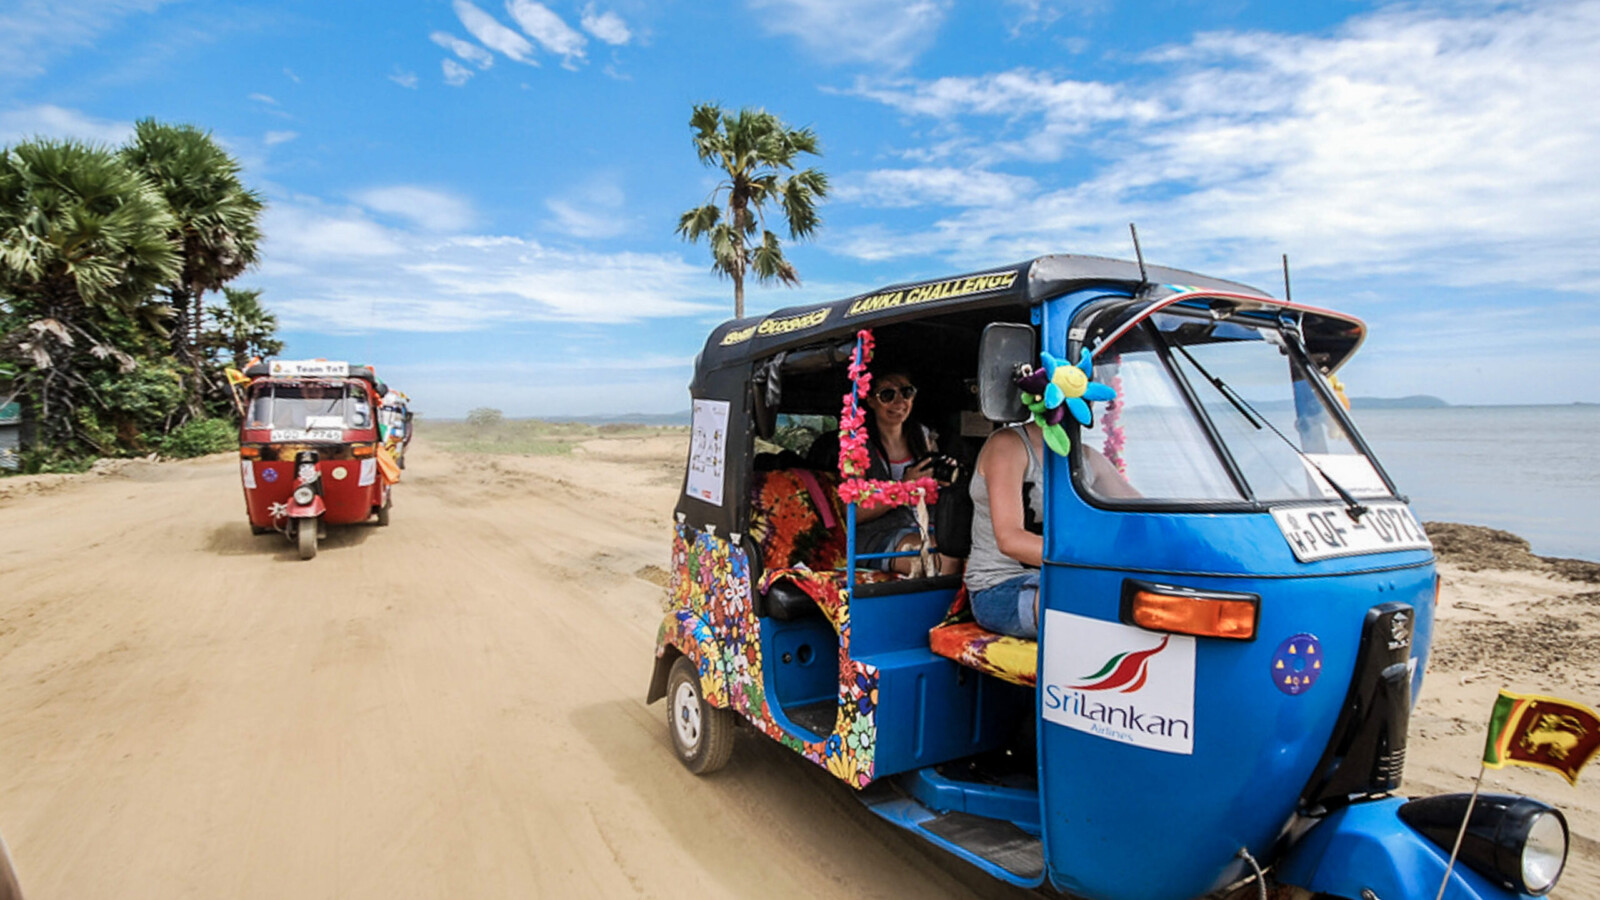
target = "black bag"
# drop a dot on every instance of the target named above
(952, 518)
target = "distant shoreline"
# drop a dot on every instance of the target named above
(1478, 547)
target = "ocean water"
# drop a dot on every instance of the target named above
(1531, 470)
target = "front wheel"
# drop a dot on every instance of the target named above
(702, 734)
(307, 534)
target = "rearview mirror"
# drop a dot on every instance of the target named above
(1004, 347)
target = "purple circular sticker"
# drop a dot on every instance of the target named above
(269, 474)
(1297, 664)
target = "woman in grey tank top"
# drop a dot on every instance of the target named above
(1002, 575)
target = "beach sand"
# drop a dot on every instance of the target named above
(453, 707)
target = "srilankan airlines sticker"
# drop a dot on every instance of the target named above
(1119, 682)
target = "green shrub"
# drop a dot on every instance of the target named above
(199, 438)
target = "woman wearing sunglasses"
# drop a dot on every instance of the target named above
(901, 449)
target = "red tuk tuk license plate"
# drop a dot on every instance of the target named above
(281, 435)
(1321, 532)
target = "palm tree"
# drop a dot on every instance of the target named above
(753, 148)
(84, 247)
(244, 329)
(217, 221)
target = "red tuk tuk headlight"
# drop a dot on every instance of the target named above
(1183, 610)
(304, 494)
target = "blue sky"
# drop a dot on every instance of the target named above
(478, 196)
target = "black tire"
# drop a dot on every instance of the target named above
(383, 513)
(257, 529)
(306, 535)
(702, 734)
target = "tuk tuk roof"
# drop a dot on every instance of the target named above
(314, 370)
(1027, 283)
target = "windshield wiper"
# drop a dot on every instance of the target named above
(1353, 506)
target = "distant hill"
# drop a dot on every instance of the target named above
(1415, 401)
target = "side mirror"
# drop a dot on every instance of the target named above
(1004, 346)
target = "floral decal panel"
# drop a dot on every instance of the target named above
(712, 620)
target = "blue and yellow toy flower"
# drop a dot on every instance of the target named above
(1056, 388)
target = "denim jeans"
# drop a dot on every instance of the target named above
(1008, 607)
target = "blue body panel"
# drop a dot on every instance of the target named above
(1108, 805)
(1367, 846)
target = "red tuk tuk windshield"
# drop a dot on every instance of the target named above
(309, 407)
(1217, 411)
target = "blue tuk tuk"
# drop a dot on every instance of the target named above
(1230, 644)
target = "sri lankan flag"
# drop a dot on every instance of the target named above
(235, 376)
(1541, 733)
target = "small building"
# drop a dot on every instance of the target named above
(10, 433)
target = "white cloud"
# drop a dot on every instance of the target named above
(1039, 15)
(932, 187)
(407, 80)
(47, 121)
(594, 209)
(492, 34)
(279, 137)
(889, 34)
(264, 98)
(466, 50)
(607, 26)
(455, 74)
(1411, 141)
(330, 269)
(34, 32)
(549, 29)
(304, 237)
(428, 209)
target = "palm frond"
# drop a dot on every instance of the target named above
(768, 261)
(696, 222)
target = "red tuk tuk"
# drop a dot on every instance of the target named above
(309, 450)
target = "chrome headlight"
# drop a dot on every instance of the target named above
(1518, 842)
(303, 495)
(1544, 852)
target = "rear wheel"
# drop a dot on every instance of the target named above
(307, 536)
(702, 734)
(383, 511)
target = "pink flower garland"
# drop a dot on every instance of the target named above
(854, 458)
(1115, 439)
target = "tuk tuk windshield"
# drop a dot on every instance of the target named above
(309, 407)
(1259, 398)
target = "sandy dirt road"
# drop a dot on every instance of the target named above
(451, 707)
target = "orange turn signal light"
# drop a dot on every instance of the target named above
(363, 449)
(1217, 614)
(249, 452)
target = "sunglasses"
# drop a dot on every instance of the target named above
(888, 395)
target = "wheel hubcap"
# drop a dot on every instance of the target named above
(686, 716)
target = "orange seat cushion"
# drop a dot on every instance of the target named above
(1008, 658)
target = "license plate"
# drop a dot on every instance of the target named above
(1321, 532)
(284, 435)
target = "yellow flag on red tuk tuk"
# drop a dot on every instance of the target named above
(388, 468)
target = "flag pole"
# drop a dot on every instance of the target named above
(1465, 818)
